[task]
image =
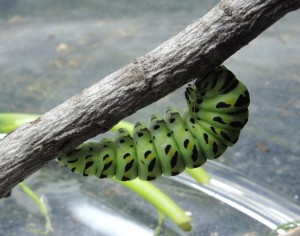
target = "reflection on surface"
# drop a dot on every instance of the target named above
(107, 222)
(239, 192)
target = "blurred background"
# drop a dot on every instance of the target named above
(51, 50)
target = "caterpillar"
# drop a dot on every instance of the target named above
(217, 111)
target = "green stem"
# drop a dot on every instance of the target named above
(159, 200)
(161, 219)
(10, 121)
(42, 208)
(200, 175)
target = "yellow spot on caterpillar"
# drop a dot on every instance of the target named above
(171, 152)
(190, 146)
(150, 157)
(107, 160)
(128, 159)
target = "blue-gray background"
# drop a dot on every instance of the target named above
(50, 50)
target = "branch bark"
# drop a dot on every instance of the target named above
(194, 51)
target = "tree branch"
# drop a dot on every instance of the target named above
(197, 49)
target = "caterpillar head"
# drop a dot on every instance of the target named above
(212, 83)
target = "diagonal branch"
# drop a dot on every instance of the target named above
(194, 51)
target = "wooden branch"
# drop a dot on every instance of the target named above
(197, 49)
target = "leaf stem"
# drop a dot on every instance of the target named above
(41, 206)
(10, 121)
(160, 201)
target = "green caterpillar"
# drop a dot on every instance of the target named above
(217, 111)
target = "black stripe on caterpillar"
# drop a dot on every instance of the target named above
(217, 111)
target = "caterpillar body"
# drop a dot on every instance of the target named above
(217, 111)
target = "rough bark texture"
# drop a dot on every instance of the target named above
(194, 51)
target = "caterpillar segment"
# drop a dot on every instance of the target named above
(149, 167)
(217, 111)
